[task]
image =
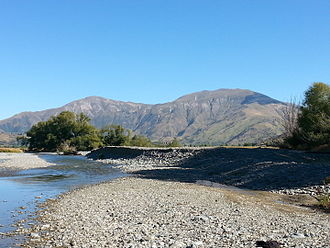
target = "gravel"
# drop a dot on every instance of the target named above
(11, 162)
(276, 170)
(161, 205)
(136, 159)
(134, 212)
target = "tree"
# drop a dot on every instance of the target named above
(139, 140)
(174, 143)
(67, 129)
(289, 118)
(115, 135)
(313, 127)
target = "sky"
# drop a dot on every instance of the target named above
(153, 51)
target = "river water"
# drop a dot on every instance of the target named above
(21, 193)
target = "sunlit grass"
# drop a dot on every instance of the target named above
(251, 147)
(12, 150)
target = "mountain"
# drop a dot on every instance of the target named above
(7, 139)
(224, 116)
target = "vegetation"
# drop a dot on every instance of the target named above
(327, 180)
(312, 126)
(66, 130)
(11, 150)
(324, 201)
(69, 132)
(289, 118)
(115, 135)
(174, 143)
(142, 141)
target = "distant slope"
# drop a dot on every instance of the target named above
(7, 139)
(225, 116)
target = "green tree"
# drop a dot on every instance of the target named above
(174, 143)
(313, 124)
(115, 135)
(139, 140)
(64, 130)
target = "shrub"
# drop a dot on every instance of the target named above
(324, 201)
(327, 180)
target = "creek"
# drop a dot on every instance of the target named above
(22, 192)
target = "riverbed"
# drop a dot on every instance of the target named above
(30, 179)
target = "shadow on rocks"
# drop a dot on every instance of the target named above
(257, 169)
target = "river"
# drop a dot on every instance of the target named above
(21, 193)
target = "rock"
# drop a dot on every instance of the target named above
(201, 218)
(34, 235)
(298, 235)
(178, 244)
(197, 244)
(268, 244)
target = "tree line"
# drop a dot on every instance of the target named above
(69, 132)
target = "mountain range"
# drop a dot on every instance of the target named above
(224, 116)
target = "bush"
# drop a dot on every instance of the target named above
(174, 143)
(324, 201)
(115, 135)
(139, 140)
(327, 180)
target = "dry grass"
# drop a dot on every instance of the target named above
(324, 202)
(252, 147)
(12, 150)
(282, 203)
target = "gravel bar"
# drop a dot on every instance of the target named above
(162, 204)
(134, 212)
(11, 162)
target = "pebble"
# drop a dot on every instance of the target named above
(298, 236)
(133, 212)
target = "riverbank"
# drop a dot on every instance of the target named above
(134, 212)
(162, 205)
(13, 162)
(33, 178)
(277, 170)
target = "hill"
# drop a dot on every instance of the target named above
(224, 116)
(7, 139)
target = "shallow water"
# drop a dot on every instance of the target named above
(21, 193)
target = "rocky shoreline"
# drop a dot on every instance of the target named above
(175, 197)
(133, 212)
(279, 171)
(132, 159)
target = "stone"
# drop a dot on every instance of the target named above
(298, 235)
(268, 244)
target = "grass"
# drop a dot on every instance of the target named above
(324, 201)
(251, 147)
(11, 150)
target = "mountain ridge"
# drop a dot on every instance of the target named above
(206, 117)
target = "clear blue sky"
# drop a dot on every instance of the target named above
(153, 51)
